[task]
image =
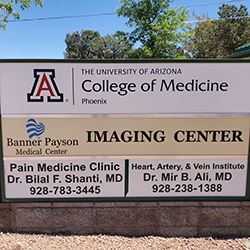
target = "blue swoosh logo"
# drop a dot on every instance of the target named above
(34, 129)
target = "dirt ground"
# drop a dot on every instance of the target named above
(14, 241)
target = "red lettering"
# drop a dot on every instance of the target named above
(41, 88)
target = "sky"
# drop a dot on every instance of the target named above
(44, 39)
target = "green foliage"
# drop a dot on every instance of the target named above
(203, 42)
(90, 45)
(7, 9)
(157, 27)
(110, 47)
(79, 44)
(233, 27)
(218, 38)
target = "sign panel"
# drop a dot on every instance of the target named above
(165, 177)
(125, 88)
(187, 178)
(125, 136)
(62, 178)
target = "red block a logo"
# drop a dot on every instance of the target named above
(44, 86)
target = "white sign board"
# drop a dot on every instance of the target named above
(64, 178)
(146, 178)
(124, 88)
(185, 178)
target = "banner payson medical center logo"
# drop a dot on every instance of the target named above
(34, 129)
(44, 85)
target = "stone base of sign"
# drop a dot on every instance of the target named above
(169, 219)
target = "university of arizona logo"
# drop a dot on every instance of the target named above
(34, 129)
(44, 86)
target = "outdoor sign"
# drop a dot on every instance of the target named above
(125, 88)
(164, 177)
(122, 130)
(45, 178)
(125, 136)
(184, 178)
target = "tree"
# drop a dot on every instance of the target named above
(203, 43)
(7, 9)
(233, 27)
(79, 44)
(90, 45)
(111, 47)
(218, 38)
(157, 27)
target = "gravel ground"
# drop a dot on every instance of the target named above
(14, 241)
